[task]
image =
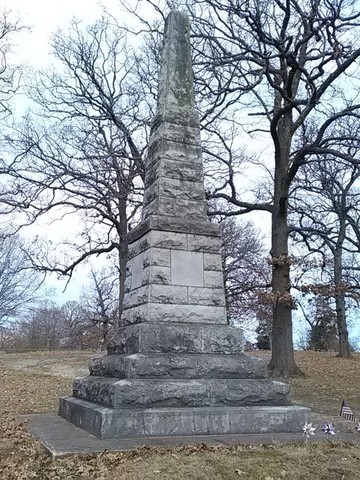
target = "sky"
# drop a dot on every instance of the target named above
(31, 47)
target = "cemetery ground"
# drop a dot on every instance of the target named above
(32, 382)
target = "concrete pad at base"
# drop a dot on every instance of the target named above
(62, 438)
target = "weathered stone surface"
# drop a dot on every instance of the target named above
(177, 207)
(187, 268)
(171, 168)
(158, 257)
(181, 359)
(213, 279)
(180, 151)
(206, 296)
(161, 365)
(176, 85)
(157, 239)
(171, 338)
(175, 132)
(158, 312)
(202, 243)
(168, 294)
(212, 261)
(173, 224)
(173, 188)
(148, 393)
(105, 422)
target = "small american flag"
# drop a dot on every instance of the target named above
(346, 412)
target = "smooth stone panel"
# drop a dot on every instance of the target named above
(187, 268)
(170, 365)
(137, 269)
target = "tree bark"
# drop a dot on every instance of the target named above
(123, 251)
(282, 362)
(344, 347)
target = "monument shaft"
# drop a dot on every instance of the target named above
(175, 367)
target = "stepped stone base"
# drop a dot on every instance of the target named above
(149, 393)
(178, 365)
(104, 422)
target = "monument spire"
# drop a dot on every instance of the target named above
(175, 367)
(174, 183)
(176, 85)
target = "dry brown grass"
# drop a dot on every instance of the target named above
(328, 380)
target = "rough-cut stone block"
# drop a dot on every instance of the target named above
(186, 171)
(171, 187)
(186, 117)
(213, 279)
(136, 248)
(206, 296)
(171, 240)
(176, 207)
(159, 257)
(167, 294)
(173, 224)
(168, 149)
(148, 393)
(136, 297)
(185, 225)
(203, 243)
(176, 133)
(160, 312)
(212, 261)
(187, 268)
(161, 365)
(159, 275)
(176, 337)
(106, 422)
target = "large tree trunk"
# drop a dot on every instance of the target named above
(123, 251)
(282, 362)
(344, 347)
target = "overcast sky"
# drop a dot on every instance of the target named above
(43, 17)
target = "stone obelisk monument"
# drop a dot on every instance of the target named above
(176, 367)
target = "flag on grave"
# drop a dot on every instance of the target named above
(346, 412)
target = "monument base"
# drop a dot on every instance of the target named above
(106, 423)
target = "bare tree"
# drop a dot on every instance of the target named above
(9, 74)
(100, 298)
(245, 267)
(40, 328)
(80, 150)
(326, 203)
(19, 283)
(284, 63)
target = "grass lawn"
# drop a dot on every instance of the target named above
(32, 382)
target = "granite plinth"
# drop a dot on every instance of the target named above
(104, 422)
(177, 365)
(152, 337)
(149, 393)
